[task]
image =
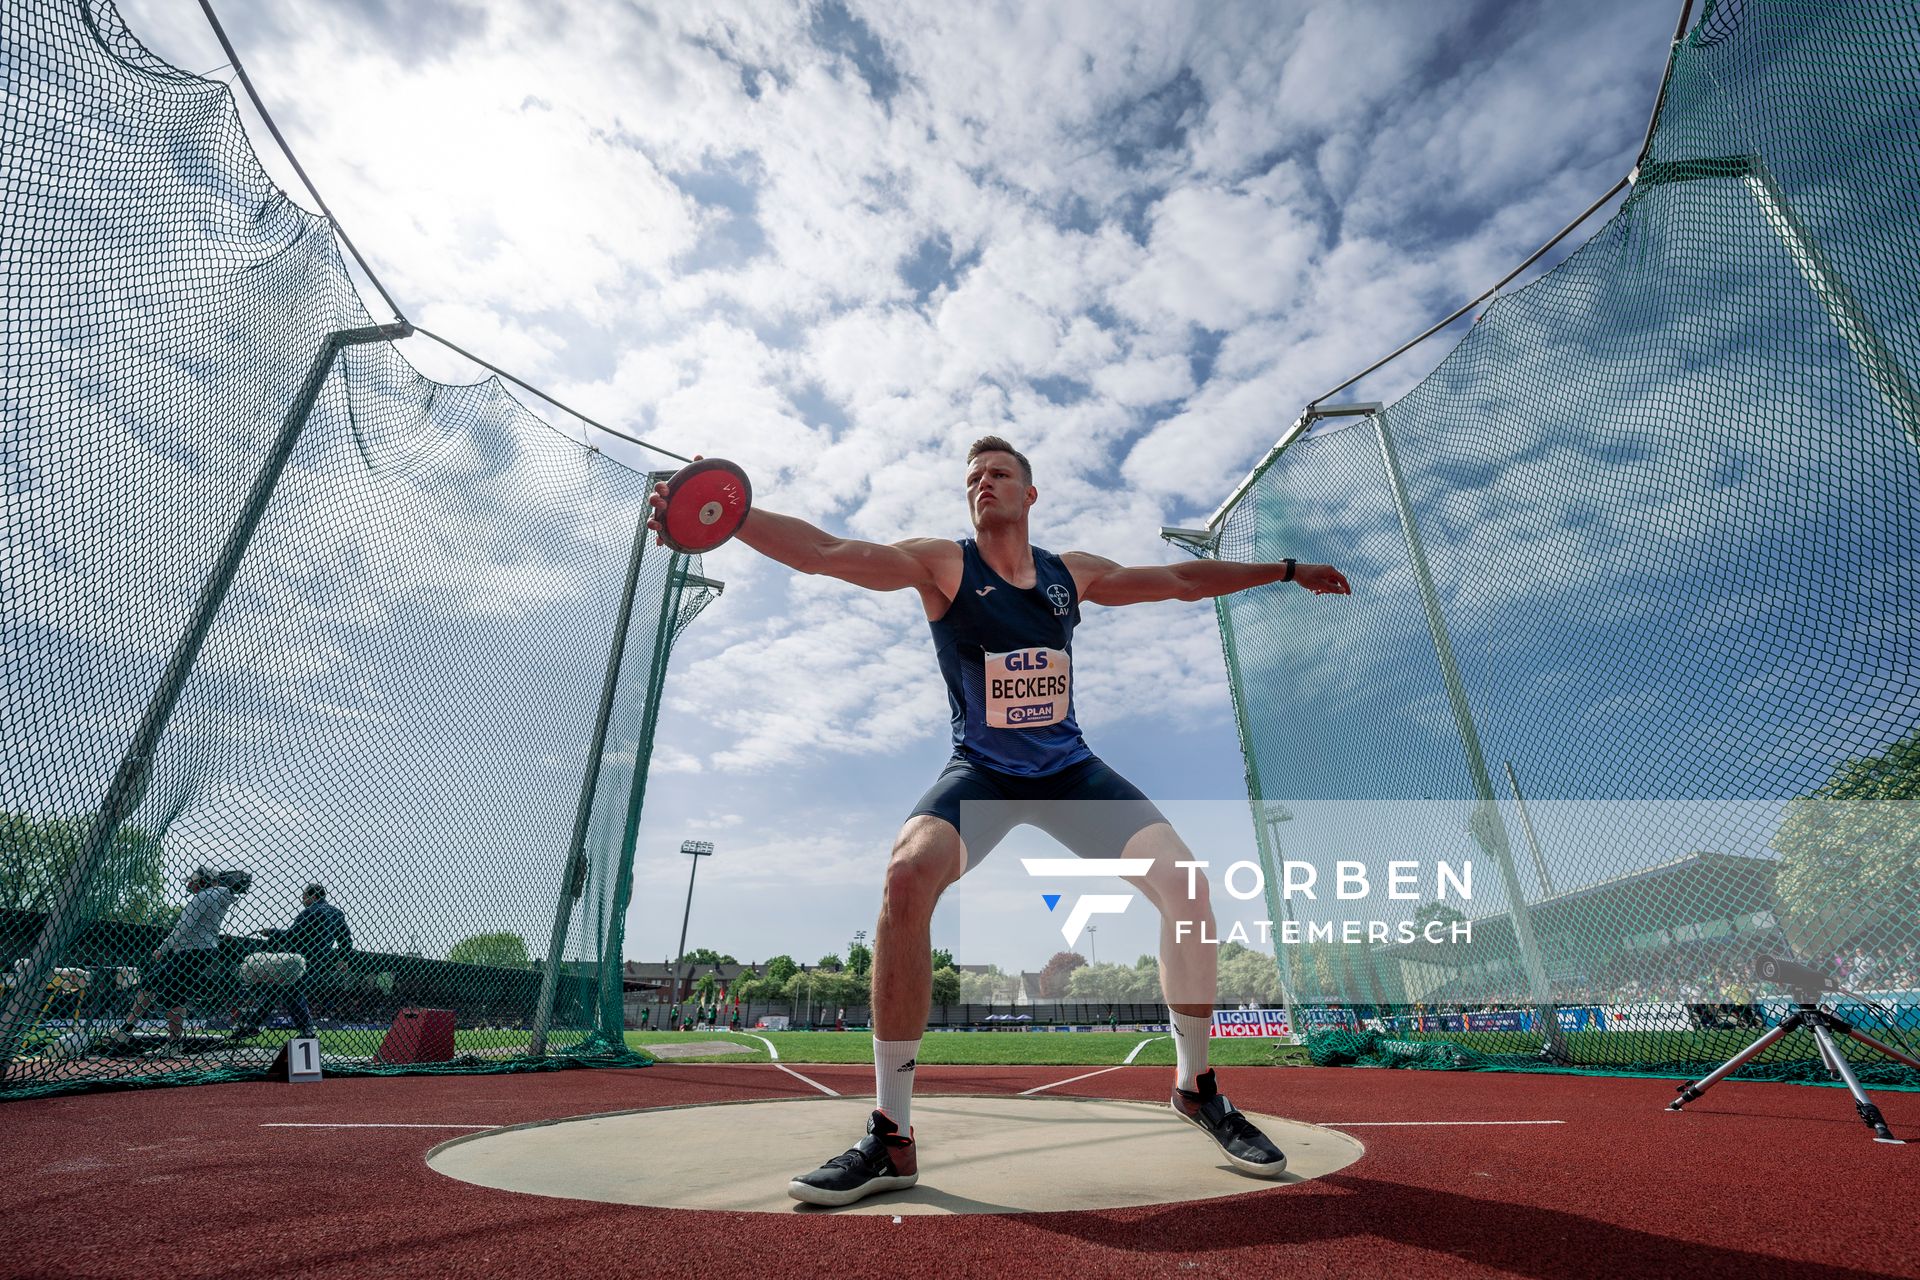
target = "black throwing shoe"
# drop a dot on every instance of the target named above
(1246, 1148)
(883, 1161)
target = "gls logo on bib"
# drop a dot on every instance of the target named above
(1028, 688)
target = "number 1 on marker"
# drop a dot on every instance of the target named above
(303, 1061)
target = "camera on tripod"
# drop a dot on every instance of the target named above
(1809, 986)
(1808, 983)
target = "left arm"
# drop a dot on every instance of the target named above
(1102, 581)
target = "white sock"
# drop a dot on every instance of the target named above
(893, 1063)
(1190, 1032)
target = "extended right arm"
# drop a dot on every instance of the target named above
(799, 545)
(874, 565)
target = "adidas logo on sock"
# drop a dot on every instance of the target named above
(906, 1066)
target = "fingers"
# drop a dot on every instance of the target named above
(1325, 580)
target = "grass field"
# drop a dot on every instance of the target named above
(1033, 1048)
(1596, 1049)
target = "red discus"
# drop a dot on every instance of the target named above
(706, 501)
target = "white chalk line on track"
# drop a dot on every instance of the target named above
(831, 1093)
(1027, 1093)
(288, 1124)
(1413, 1124)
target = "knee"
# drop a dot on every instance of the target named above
(922, 866)
(1180, 892)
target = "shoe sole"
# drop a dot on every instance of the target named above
(811, 1194)
(1272, 1170)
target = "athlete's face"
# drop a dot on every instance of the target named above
(997, 489)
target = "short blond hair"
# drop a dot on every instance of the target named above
(995, 444)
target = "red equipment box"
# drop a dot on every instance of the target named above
(419, 1035)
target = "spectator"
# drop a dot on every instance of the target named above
(188, 959)
(645, 1014)
(320, 936)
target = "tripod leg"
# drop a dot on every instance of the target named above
(1887, 1049)
(1694, 1088)
(1828, 1058)
(1861, 1102)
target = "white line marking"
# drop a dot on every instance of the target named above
(1143, 1044)
(292, 1125)
(815, 1083)
(1404, 1124)
(1069, 1080)
(763, 1040)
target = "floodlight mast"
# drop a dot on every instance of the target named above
(697, 849)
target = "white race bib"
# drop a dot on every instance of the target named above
(1028, 688)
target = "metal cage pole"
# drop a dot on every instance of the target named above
(1273, 813)
(1204, 545)
(1836, 299)
(573, 880)
(610, 974)
(130, 779)
(1488, 827)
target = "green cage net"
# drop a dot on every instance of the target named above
(330, 689)
(1635, 603)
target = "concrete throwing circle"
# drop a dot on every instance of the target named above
(977, 1155)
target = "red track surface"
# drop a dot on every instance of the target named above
(1752, 1179)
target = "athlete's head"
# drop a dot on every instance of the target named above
(999, 482)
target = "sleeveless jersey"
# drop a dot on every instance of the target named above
(1007, 657)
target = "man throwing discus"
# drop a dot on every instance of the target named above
(1002, 613)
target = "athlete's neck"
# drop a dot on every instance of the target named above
(1007, 552)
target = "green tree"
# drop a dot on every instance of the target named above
(1053, 975)
(756, 990)
(1101, 982)
(707, 989)
(943, 959)
(946, 985)
(36, 853)
(495, 950)
(780, 969)
(830, 961)
(1246, 974)
(859, 960)
(706, 955)
(991, 987)
(1850, 852)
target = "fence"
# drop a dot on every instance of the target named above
(281, 613)
(1634, 581)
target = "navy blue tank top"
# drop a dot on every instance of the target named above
(1007, 657)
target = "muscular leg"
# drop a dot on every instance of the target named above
(927, 857)
(1189, 968)
(1190, 977)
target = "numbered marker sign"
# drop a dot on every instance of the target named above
(303, 1061)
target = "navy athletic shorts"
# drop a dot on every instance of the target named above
(1087, 806)
(183, 977)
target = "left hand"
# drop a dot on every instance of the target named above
(1322, 579)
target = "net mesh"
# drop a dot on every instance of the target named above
(1635, 595)
(374, 665)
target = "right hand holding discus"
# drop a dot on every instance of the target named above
(700, 506)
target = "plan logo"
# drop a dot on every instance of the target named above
(1092, 904)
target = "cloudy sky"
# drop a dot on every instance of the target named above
(835, 242)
